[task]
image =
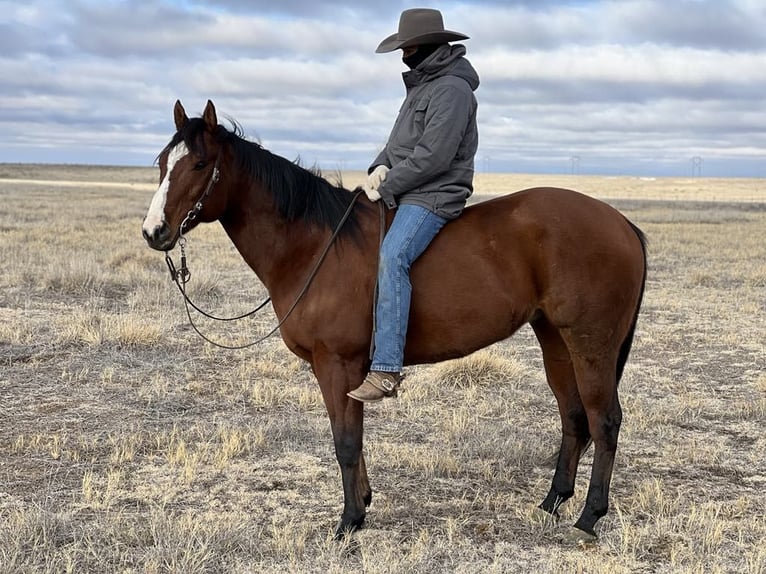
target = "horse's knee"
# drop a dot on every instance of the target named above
(348, 447)
(606, 429)
(574, 424)
(347, 456)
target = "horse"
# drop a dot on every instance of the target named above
(571, 266)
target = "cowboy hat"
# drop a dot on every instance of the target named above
(419, 26)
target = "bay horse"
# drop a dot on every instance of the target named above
(571, 266)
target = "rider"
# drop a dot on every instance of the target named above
(425, 172)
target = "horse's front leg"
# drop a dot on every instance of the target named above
(336, 377)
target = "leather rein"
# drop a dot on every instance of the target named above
(182, 275)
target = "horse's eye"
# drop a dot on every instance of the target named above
(199, 165)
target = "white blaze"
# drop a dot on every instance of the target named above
(156, 214)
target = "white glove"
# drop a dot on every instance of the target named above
(373, 182)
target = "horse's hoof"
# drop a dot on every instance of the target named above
(344, 528)
(538, 515)
(575, 537)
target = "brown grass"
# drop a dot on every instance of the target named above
(129, 445)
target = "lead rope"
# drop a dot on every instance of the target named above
(181, 277)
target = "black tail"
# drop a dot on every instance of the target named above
(628, 342)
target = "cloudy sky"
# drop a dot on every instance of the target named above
(636, 87)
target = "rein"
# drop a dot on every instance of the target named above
(182, 275)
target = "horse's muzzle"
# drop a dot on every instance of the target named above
(160, 237)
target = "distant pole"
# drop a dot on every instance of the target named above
(696, 166)
(486, 164)
(575, 164)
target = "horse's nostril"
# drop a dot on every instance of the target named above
(156, 234)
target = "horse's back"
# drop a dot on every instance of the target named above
(549, 209)
(544, 227)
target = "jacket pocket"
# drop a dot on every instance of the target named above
(419, 117)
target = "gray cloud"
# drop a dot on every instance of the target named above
(722, 25)
(629, 85)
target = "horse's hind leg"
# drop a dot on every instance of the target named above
(575, 436)
(597, 383)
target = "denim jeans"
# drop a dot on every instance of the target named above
(411, 231)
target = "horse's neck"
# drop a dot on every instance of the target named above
(279, 252)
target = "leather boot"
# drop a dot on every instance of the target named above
(376, 386)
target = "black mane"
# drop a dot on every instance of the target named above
(299, 193)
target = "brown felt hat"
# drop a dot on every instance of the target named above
(419, 26)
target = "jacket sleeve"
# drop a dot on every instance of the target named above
(447, 115)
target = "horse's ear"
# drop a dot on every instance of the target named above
(210, 117)
(179, 115)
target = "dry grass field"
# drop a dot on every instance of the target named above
(129, 445)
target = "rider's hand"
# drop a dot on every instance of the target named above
(373, 182)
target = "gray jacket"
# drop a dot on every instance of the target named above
(432, 145)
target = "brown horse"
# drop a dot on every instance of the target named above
(571, 266)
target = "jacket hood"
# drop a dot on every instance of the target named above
(447, 60)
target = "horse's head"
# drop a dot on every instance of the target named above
(189, 169)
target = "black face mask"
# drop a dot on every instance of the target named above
(423, 51)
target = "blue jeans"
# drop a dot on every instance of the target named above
(411, 231)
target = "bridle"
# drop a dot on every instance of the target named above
(182, 275)
(195, 211)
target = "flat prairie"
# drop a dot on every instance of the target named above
(129, 445)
